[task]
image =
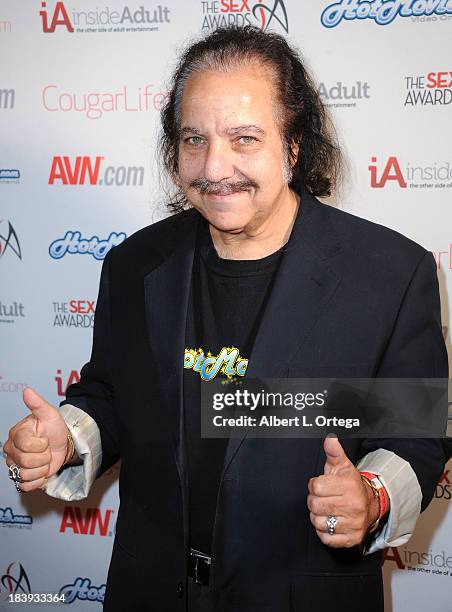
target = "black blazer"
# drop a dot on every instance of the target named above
(351, 298)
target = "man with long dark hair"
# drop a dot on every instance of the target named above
(250, 275)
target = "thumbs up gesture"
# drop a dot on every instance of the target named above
(341, 493)
(38, 443)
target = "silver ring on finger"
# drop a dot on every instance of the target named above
(331, 523)
(14, 473)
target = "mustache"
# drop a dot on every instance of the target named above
(205, 186)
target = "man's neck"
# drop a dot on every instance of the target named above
(259, 242)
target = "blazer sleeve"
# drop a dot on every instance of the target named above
(94, 394)
(416, 349)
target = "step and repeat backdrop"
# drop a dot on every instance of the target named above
(81, 87)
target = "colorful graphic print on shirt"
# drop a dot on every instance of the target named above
(228, 362)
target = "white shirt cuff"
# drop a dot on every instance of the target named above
(405, 496)
(74, 482)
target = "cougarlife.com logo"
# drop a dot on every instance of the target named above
(383, 12)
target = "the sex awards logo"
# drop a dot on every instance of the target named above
(14, 579)
(74, 313)
(56, 17)
(443, 489)
(9, 240)
(263, 14)
(431, 89)
(390, 170)
(384, 12)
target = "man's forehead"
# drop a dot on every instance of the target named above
(240, 87)
(232, 101)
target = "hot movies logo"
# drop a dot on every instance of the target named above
(72, 243)
(74, 377)
(391, 171)
(86, 522)
(9, 519)
(14, 580)
(54, 15)
(75, 313)
(94, 104)
(383, 12)
(84, 590)
(87, 171)
(431, 89)
(260, 13)
(9, 240)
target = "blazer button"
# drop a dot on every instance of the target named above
(180, 589)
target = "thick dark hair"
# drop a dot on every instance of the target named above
(318, 165)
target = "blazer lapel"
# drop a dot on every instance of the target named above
(303, 285)
(167, 292)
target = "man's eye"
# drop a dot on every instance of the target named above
(194, 140)
(247, 139)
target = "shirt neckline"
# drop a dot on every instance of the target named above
(234, 267)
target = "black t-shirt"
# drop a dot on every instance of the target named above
(226, 305)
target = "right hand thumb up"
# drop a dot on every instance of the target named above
(50, 424)
(40, 408)
(37, 443)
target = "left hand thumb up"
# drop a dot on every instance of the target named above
(336, 459)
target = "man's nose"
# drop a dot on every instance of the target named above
(218, 163)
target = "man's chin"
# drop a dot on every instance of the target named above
(227, 221)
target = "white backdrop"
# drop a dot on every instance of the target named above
(80, 91)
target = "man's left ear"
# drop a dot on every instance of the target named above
(294, 152)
